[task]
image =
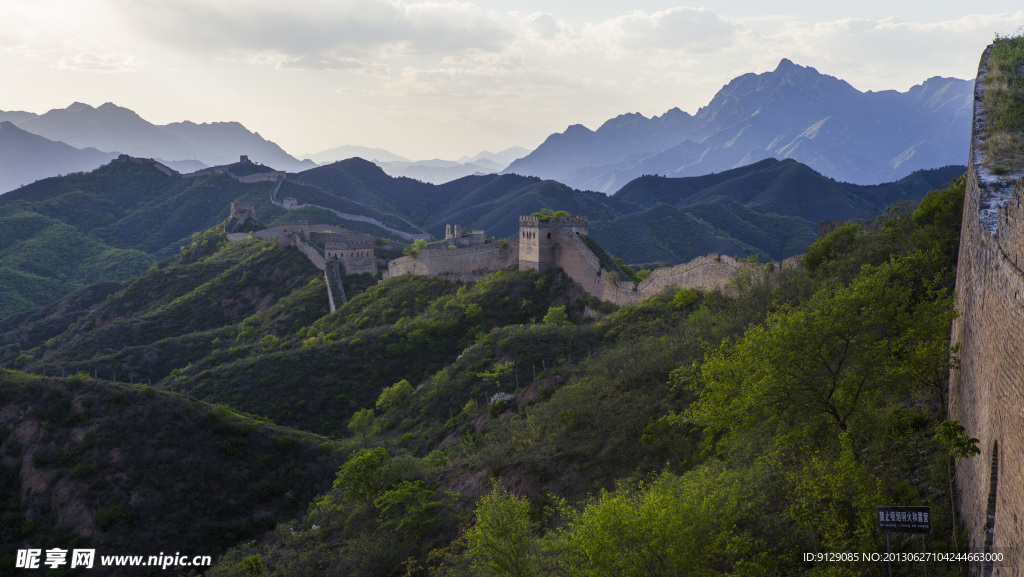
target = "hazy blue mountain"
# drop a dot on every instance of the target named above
(113, 128)
(791, 112)
(504, 157)
(434, 171)
(439, 171)
(349, 151)
(227, 141)
(27, 157)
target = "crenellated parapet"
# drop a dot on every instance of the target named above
(579, 222)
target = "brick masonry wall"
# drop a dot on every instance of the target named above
(314, 255)
(464, 263)
(261, 177)
(986, 393)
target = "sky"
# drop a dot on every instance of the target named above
(444, 79)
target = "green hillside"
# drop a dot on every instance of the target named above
(695, 433)
(510, 425)
(136, 471)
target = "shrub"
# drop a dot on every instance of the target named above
(109, 516)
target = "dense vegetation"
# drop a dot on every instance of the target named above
(1003, 104)
(514, 426)
(695, 433)
(133, 470)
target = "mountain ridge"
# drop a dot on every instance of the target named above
(791, 112)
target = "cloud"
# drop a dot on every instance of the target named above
(320, 34)
(882, 53)
(694, 30)
(91, 62)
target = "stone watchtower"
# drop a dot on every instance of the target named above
(539, 239)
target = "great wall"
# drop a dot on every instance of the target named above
(542, 244)
(986, 391)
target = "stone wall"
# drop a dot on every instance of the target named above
(466, 263)
(124, 158)
(986, 392)
(711, 272)
(313, 254)
(259, 177)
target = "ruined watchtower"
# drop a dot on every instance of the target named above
(243, 211)
(459, 236)
(539, 239)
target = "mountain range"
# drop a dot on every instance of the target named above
(791, 112)
(184, 146)
(113, 223)
(435, 171)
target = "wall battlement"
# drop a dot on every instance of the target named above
(577, 221)
(986, 392)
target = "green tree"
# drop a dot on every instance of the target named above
(841, 351)
(673, 526)
(417, 246)
(394, 396)
(362, 423)
(363, 476)
(409, 508)
(959, 445)
(557, 316)
(501, 542)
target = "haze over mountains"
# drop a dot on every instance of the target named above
(183, 146)
(792, 112)
(435, 171)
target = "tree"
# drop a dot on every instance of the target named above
(672, 526)
(501, 542)
(959, 445)
(831, 357)
(557, 316)
(362, 423)
(394, 396)
(417, 246)
(362, 476)
(409, 508)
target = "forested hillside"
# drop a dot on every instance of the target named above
(695, 433)
(515, 426)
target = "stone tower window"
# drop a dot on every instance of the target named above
(549, 235)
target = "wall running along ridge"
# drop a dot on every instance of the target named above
(564, 249)
(464, 263)
(986, 392)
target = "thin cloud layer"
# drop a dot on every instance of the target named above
(492, 77)
(321, 34)
(106, 63)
